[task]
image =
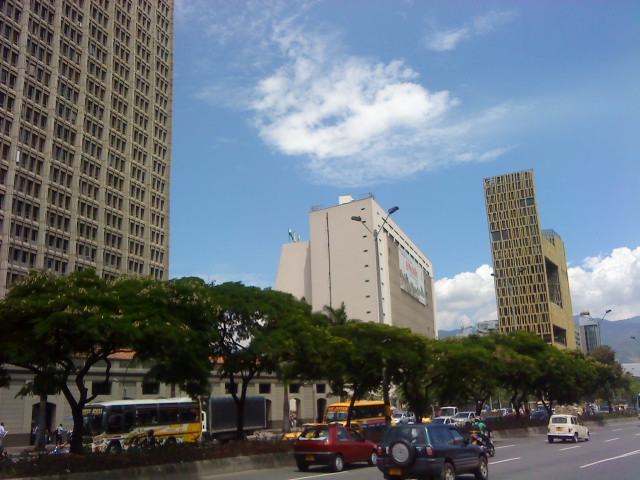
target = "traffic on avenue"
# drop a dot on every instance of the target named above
(613, 452)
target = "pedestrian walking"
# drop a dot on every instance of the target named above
(59, 431)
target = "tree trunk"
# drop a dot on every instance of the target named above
(286, 414)
(40, 442)
(385, 396)
(78, 430)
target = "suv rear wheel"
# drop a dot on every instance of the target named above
(402, 453)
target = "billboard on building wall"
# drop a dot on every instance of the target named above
(412, 277)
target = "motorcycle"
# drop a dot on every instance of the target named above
(483, 441)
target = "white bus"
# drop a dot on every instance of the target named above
(114, 426)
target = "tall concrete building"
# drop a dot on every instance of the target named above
(530, 266)
(358, 255)
(85, 136)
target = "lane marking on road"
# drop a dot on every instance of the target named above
(611, 440)
(617, 430)
(505, 460)
(318, 475)
(568, 448)
(635, 452)
(508, 446)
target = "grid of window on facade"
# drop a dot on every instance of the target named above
(85, 128)
(523, 276)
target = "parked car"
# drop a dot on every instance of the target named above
(566, 427)
(403, 418)
(429, 451)
(332, 445)
(442, 421)
(464, 419)
(539, 415)
(447, 411)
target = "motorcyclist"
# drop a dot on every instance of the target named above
(481, 427)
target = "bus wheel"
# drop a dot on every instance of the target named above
(114, 447)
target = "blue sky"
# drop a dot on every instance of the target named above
(280, 106)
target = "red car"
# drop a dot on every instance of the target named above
(332, 445)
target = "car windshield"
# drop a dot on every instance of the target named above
(559, 419)
(439, 420)
(461, 415)
(397, 415)
(314, 433)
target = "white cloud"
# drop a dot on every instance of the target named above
(608, 282)
(465, 299)
(445, 41)
(355, 121)
(442, 41)
(346, 120)
(599, 284)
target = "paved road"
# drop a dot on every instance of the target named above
(612, 454)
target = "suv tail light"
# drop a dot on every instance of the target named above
(380, 451)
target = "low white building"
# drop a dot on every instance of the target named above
(308, 401)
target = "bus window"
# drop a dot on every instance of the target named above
(168, 414)
(129, 418)
(189, 413)
(114, 419)
(146, 414)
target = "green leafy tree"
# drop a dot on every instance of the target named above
(419, 373)
(62, 328)
(256, 331)
(336, 316)
(468, 371)
(176, 319)
(610, 374)
(361, 355)
(519, 355)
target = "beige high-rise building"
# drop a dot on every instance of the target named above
(85, 136)
(530, 266)
(358, 255)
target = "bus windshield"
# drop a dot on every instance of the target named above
(93, 420)
(336, 417)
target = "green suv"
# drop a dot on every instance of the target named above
(429, 451)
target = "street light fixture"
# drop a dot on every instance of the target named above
(375, 234)
(600, 328)
(385, 380)
(512, 299)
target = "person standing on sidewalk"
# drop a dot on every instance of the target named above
(3, 432)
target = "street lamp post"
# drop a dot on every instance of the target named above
(512, 299)
(385, 380)
(600, 327)
(375, 234)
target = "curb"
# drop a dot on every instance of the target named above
(182, 471)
